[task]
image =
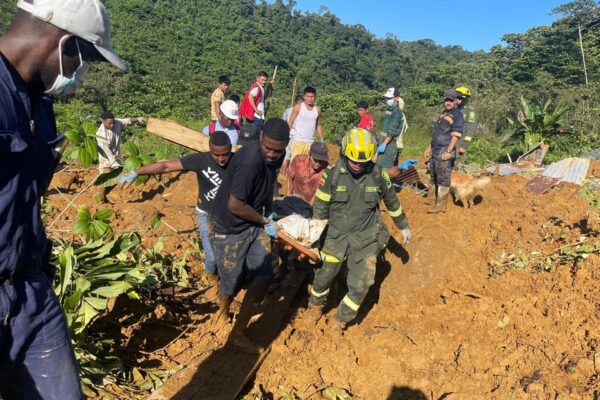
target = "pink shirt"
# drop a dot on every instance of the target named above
(304, 180)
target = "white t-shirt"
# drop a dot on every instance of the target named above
(305, 124)
(111, 143)
(261, 103)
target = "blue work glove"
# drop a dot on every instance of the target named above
(128, 178)
(272, 228)
(406, 235)
(408, 163)
(381, 148)
(273, 215)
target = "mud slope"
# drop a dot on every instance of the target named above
(435, 325)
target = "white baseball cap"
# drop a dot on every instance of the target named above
(391, 93)
(230, 109)
(87, 19)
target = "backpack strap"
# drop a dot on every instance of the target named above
(336, 173)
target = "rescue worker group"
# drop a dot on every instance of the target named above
(47, 52)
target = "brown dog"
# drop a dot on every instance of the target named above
(466, 187)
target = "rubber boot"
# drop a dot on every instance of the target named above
(314, 313)
(223, 301)
(336, 328)
(431, 194)
(212, 278)
(442, 199)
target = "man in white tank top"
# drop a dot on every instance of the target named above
(305, 120)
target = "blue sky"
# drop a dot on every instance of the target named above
(485, 21)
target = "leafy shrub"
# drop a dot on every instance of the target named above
(103, 268)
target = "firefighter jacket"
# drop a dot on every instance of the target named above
(351, 205)
(450, 123)
(470, 117)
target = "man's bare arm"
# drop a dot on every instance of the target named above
(241, 209)
(161, 167)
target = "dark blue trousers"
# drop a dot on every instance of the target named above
(240, 256)
(36, 356)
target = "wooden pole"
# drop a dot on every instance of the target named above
(269, 93)
(583, 57)
(293, 92)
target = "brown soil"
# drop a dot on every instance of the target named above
(436, 325)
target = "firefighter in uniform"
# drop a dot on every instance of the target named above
(446, 134)
(348, 197)
(470, 117)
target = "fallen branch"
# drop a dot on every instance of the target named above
(72, 201)
(62, 194)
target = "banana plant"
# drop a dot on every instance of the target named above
(89, 275)
(536, 122)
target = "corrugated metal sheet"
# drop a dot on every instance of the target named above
(572, 170)
(513, 168)
(541, 184)
(409, 176)
(536, 154)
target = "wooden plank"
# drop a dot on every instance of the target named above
(178, 134)
(297, 245)
(224, 373)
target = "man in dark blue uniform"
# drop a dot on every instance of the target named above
(44, 53)
(446, 133)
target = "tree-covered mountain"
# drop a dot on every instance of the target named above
(176, 49)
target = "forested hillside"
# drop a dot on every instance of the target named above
(175, 50)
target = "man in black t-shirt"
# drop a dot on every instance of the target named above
(210, 171)
(241, 244)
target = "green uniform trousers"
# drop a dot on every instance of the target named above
(361, 276)
(389, 157)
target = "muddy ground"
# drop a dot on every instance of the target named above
(436, 325)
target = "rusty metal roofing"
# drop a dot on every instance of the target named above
(541, 184)
(409, 176)
(572, 170)
(536, 154)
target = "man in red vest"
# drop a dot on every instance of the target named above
(253, 105)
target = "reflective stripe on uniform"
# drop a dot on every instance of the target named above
(449, 119)
(323, 196)
(319, 294)
(352, 305)
(396, 213)
(329, 258)
(457, 134)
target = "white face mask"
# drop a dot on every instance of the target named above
(62, 85)
(390, 102)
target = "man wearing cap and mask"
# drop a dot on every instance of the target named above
(391, 129)
(446, 134)
(44, 53)
(229, 114)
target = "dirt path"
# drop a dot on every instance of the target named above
(435, 326)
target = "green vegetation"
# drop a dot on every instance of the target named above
(176, 49)
(92, 273)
